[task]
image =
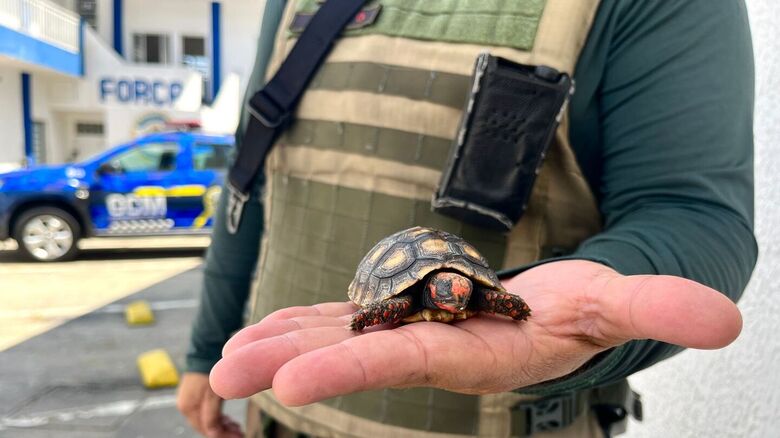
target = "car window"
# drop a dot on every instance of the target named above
(149, 157)
(207, 156)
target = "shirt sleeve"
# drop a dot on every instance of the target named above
(231, 258)
(675, 109)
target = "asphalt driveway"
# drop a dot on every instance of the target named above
(79, 378)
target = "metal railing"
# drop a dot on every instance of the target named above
(43, 20)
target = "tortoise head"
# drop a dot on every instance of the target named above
(448, 291)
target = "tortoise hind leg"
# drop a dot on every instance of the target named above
(502, 303)
(391, 310)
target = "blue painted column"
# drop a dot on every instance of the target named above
(29, 153)
(118, 27)
(216, 48)
(82, 24)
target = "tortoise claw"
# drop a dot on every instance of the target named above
(392, 310)
(503, 303)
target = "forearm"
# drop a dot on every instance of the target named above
(675, 155)
(700, 242)
(227, 278)
(713, 247)
(231, 259)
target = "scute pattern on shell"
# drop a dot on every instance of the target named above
(402, 259)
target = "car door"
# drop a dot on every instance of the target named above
(208, 168)
(131, 190)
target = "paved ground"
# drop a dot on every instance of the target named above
(67, 358)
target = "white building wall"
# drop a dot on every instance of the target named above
(60, 101)
(105, 20)
(41, 112)
(11, 127)
(104, 16)
(192, 18)
(121, 117)
(735, 392)
(240, 29)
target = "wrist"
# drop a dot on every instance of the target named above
(507, 273)
(597, 371)
(203, 365)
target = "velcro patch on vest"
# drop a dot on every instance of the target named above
(507, 24)
(366, 17)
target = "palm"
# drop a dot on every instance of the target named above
(579, 308)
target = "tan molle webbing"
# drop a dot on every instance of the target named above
(423, 150)
(326, 421)
(362, 160)
(511, 24)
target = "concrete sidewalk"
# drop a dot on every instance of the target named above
(80, 378)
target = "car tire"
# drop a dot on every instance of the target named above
(47, 234)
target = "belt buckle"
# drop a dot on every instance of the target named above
(235, 207)
(549, 413)
(265, 101)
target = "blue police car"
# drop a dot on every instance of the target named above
(159, 184)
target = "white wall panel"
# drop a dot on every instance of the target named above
(240, 29)
(11, 129)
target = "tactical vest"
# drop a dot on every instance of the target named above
(363, 159)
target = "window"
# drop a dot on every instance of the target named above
(194, 54)
(150, 157)
(194, 58)
(151, 48)
(89, 128)
(39, 142)
(88, 10)
(210, 156)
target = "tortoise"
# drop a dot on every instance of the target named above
(427, 274)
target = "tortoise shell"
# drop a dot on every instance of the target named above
(401, 260)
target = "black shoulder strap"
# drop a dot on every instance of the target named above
(271, 107)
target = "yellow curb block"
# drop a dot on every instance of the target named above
(139, 313)
(157, 369)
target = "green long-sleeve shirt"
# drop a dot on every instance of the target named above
(661, 125)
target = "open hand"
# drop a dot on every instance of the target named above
(579, 308)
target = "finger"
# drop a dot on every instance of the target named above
(669, 309)
(191, 412)
(416, 355)
(211, 415)
(189, 398)
(275, 327)
(322, 309)
(251, 369)
(193, 419)
(230, 425)
(230, 429)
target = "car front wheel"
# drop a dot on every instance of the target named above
(47, 234)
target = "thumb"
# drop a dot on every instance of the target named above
(665, 308)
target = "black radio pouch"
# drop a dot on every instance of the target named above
(509, 122)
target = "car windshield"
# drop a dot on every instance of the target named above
(150, 157)
(207, 156)
(111, 153)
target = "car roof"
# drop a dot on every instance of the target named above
(170, 136)
(177, 135)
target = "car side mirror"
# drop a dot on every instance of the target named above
(106, 169)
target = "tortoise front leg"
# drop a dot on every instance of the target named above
(502, 303)
(392, 310)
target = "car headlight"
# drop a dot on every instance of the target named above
(82, 193)
(74, 172)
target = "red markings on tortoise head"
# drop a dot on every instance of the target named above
(461, 286)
